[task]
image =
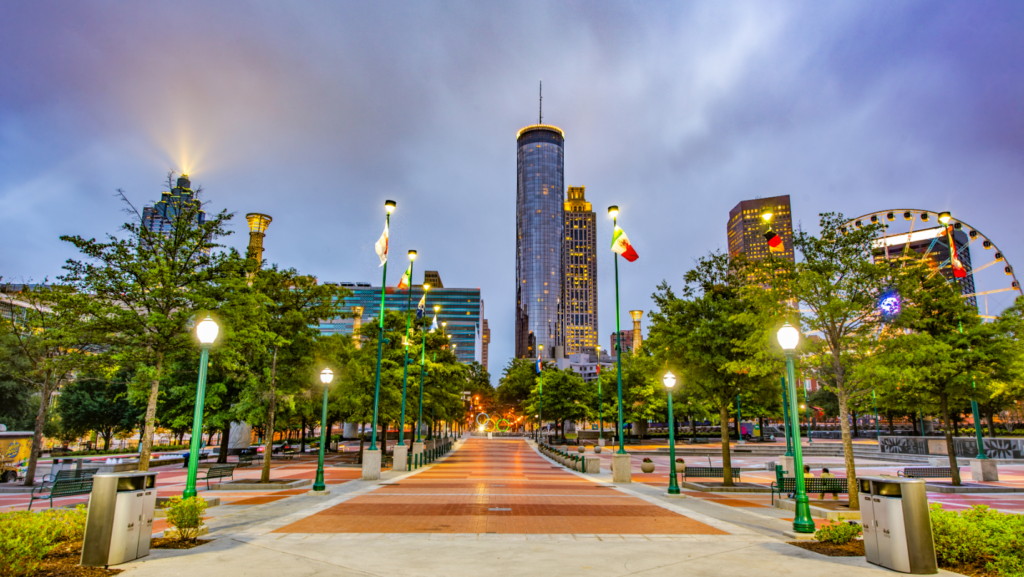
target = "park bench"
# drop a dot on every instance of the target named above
(244, 460)
(66, 474)
(926, 472)
(67, 487)
(219, 472)
(698, 440)
(763, 439)
(709, 472)
(812, 485)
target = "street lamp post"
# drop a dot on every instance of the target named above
(417, 452)
(389, 206)
(600, 419)
(807, 411)
(673, 487)
(789, 337)
(326, 376)
(405, 366)
(787, 421)
(613, 211)
(206, 331)
(540, 387)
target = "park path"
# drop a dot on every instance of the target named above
(497, 486)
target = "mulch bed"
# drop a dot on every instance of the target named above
(63, 562)
(163, 543)
(854, 548)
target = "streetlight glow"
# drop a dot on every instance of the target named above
(613, 211)
(426, 287)
(767, 215)
(207, 331)
(944, 217)
(412, 255)
(789, 337)
(669, 379)
(389, 205)
(326, 376)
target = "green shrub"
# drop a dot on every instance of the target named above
(26, 537)
(977, 536)
(838, 532)
(186, 515)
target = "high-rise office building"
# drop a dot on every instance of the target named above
(432, 278)
(159, 217)
(748, 227)
(579, 276)
(485, 343)
(539, 232)
(627, 341)
(461, 309)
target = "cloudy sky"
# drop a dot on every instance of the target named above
(316, 112)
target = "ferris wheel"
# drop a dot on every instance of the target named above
(943, 241)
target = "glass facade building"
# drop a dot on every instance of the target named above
(579, 288)
(158, 217)
(461, 308)
(539, 232)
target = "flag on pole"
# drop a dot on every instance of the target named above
(958, 267)
(620, 245)
(403, 283)
(420, 308)
(540, 365)
(433, 326)
(774, 242)
(382, 246)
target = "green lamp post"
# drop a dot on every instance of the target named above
(600, 420)
(673, 487)
(326, 376)
(787, 421)
(389, 205)
(423, 368)
(206, 332)
(789, 338)
(613, 211)
(405, 367)
(540, 386)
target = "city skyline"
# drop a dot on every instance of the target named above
(674, 113)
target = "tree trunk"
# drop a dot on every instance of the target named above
(991, 418)
(150, 426)
(953, 468)
(851, 468)
(956, 425)
(302, 442)
(106, 439)
(268, 442)
(888, 417)
(693, 427)
(225, 438)
(856, 429)
(37, 433)
(726, 457)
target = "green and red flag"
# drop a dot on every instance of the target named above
(621, 245)
(954, 258)
(403, 283)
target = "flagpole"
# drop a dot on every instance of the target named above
(618, 333)
(389, 205)
(405, 367)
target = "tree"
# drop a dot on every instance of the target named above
(708, 335)
(838, 283)
(47, 335)
(149, 283)
(92, 403)
(563, 396)
(516, 383)
(944, 352)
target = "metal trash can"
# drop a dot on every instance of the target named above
(119, 525)
(897, 525)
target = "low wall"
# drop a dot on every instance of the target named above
(998, 448)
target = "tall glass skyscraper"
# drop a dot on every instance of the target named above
(159, 217)
(539, 230)
(579, 257)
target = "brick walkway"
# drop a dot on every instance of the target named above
(497, 486)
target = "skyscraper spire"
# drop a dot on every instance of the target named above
(541, 111)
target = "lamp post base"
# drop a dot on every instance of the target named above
(417, 452)
(788, 466)
(324, 492)
(621, 468)
(371, 465)
(984, 470)
(401, 458)
(600, 442)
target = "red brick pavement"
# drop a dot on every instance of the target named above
(497, 486)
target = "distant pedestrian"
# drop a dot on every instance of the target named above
(826, 475)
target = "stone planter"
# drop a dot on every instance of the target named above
(647, 467)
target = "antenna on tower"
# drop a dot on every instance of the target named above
(541, 111)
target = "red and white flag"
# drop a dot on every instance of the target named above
(620, 245)
(382, 246)
(958, 267)
(403, 283)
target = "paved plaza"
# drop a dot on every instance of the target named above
(499, 507)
